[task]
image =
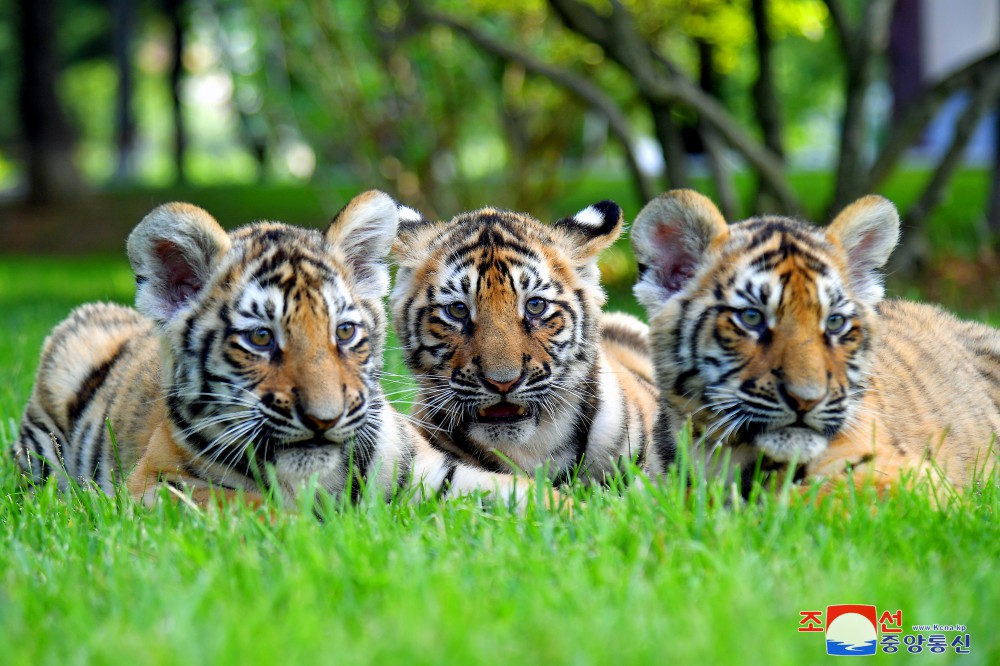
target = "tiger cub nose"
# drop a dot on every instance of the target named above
(315, 423)
(501, 386)
(802, 398)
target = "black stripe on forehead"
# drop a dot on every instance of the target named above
(489, 231)
(795, 241)
(301, 267)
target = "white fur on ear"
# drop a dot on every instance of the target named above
(669, 238)
(868, 230)
(173, 252)
(592, 230)
(364, 231)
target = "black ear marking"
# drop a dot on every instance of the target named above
(599, 219)
(592, 230)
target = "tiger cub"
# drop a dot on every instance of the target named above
(258, 347)
(500, 320)
(773, 337)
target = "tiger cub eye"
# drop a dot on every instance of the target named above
(458, 311)
(751, 317)
(835, 323)
(535, 306)
(260, 337)
(346, 331)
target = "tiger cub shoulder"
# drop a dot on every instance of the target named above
(500, 318)
(771, 336)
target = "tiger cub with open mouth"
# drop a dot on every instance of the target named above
(258, 347)
(500, 320)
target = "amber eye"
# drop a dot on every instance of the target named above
(535, 306)
(751, 318)
(836, 323)
(458, 311)
(346, 332)
(261, 338)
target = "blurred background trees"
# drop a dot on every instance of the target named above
(792, 106)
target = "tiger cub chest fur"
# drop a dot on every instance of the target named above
(501, 323)
(772, 339)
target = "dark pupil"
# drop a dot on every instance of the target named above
(751, 317)
(261, 337)
(345, 331)
(835, 322)
(535, 305)
(458, 310)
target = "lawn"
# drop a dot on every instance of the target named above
(649, 575)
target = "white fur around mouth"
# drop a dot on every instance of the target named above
(787, 444)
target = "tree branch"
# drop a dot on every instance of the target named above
(618, 36)
(984, 96)
(920, 111)
(576, 85)
(862, 46)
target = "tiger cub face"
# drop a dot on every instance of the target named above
(272, 335)
(497, 313)
(762, 330)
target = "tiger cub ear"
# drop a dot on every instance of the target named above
(414, 233)
(592, 230)
(173, 252)
(669, 238)
(868, 230)
(363, 231)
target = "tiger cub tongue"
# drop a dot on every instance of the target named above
(503, 410)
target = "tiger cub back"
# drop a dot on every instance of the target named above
(772, 337)
(260, 347)
(500, 319)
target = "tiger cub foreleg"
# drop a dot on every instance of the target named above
(437, 473)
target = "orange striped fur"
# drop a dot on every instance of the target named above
(500, 319)
(258, 347)
(773, 338)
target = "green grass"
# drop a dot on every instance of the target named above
(647, 577)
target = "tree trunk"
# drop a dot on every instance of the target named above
(862, 47)
(765, 93)
(715, 150)
(765, 98)
(122, 16)
(52, 173)
(173, 9)
(668, 135)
